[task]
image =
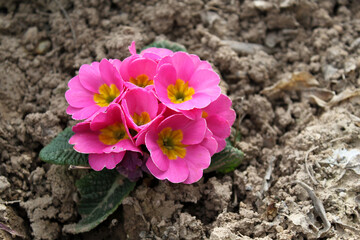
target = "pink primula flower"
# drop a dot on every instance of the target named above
(141, 110)
(152, 53)
(177, 149)
(183, 82)
(96, 86)
(219, 118)
(138, 71)
(107, 133)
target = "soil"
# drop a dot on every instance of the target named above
(291, 67)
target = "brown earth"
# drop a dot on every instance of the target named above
(300, 137)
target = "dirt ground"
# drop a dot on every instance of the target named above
(292, 68)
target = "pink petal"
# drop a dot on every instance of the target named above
(110, 160)
(156, 53)
(151, 138)
(124, 68)
(221, 143)
(122, 145)
(218, 126)
(140, 137)
(166, 75)
(129, 121)
(154, 170)
(197, 157)
(160, 160)
(200, 100)
(112, 115)
(132, 48)
(142, 66)
(77, 96)
(188, 105)
(116, 63)
(195, 174)
(222, 107)
(176, 173)
(139, 100)
(206, 81)
(82, 113)
(193, 130)
(210, 143)
(110, 75)
(192, 114)
(200, 64)
(81, 127)
(183, 64)
(79, 99)
(90, 77)
(87, 142)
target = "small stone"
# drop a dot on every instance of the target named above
(31, 35)
(243, 48)
(263, 5)
(288, 3)
(355, 44)
(43, 47)
(350, 65)
(272, 39)
(328, 71)
(342, 194)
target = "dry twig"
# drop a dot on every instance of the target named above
(72, 167)
(309, 169)
(267, 177)
(319, 208)
(68, 20)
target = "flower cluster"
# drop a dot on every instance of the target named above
(158, 111)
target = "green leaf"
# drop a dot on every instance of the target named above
(166, 44)
(59, 151)
(227, 160)
(101, 194)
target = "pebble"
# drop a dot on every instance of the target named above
(355, 44)
(263, 5)
(272, 39)
(43, 47)
(245, 48)
(328, 71)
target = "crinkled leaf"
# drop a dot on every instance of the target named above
(59, 151)
(101, 194)
(166, 44)
(227, 160)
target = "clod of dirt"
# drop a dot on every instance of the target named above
(10, 218)
(218, 194)
(42, 127)
(53, 201)
(4, 184)
(223, 233)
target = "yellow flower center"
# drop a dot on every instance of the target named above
(180, 92)
(141, 81)
(112, 134)
(170, 144)
(141, 119)
(106, 95)
(204, 114)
